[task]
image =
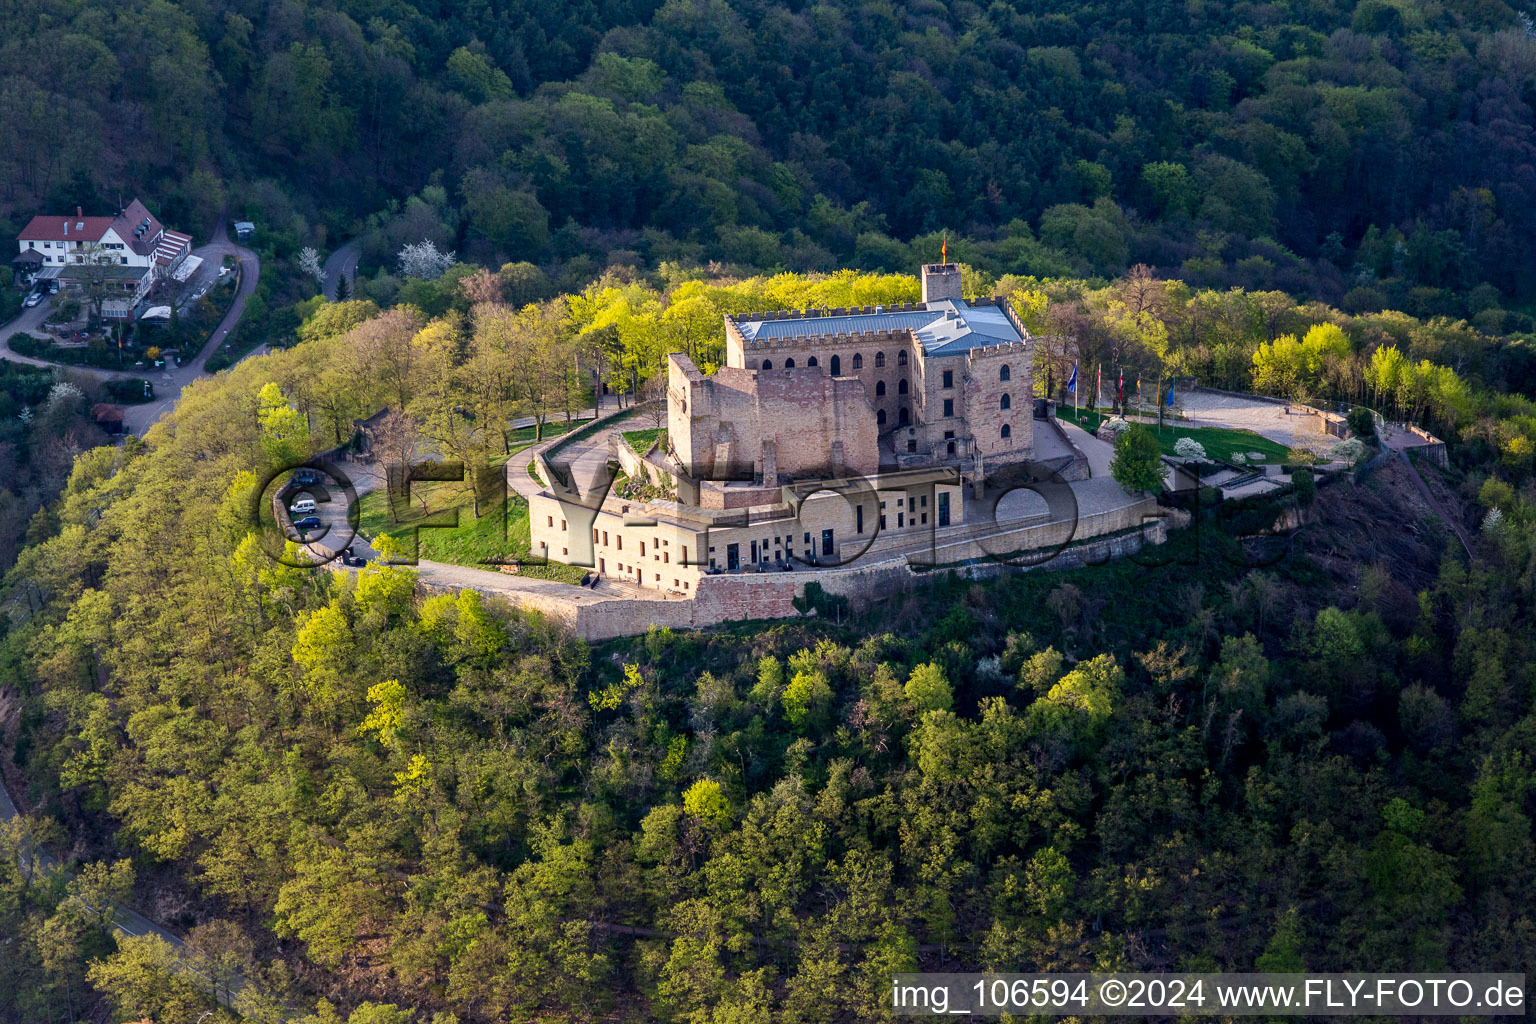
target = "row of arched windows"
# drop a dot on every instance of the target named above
(836, 365)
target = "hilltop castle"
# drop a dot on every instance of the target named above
(828, 435)
(937, 382)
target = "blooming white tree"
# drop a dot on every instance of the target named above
(1348, 450)
(62, 392)
(424, 260)
(309, 262)
(1189, 448)
(1493, 522)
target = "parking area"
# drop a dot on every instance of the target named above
(312, 512)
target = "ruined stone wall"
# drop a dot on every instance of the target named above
(740, 423)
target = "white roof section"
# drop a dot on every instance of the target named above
(187, 268)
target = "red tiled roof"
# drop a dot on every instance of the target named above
(53, 228)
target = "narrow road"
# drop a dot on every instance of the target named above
(139, 418)
(30, 321)
(342, 263)
(125, 920)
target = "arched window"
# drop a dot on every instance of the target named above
(811, 361)
(1007, 402)
(880, 417)
(789, 364)
(901, 388)
(879, 359)
(767, 364)
(951, 447)
(1007, 431)
(858, 361)
(879, 389)
(837, 366)
(901, 358)
(904, 417)
(1004, 373)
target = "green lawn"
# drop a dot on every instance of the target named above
(641, 440)
(1219, 442)
(553, 427)
(501, 533)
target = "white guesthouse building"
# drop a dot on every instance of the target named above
(138, 248)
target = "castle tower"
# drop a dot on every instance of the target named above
(941, 281)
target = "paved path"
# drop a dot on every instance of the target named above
(1100, 453)
(342, 263)
(30, 321)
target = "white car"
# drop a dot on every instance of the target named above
(33, 299)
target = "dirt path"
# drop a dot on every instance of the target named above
(1434, 503)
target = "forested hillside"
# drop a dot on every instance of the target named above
(445, 811)
(1373, 154)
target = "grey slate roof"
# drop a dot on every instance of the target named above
(936, 330)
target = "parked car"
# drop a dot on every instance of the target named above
(303, 506)
(34, 299)
(306, 477)
(53, 287)
(307, 523)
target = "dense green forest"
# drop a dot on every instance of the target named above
(1371, 154)
(388, 809)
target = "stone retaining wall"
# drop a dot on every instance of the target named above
(740, 596)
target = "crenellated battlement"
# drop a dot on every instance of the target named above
(1002, 348)
(813, 314)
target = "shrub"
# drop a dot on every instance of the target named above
(1111, 429)
(1361, 422)
(1189, 448)
(1306, 486)
(1138, 464)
